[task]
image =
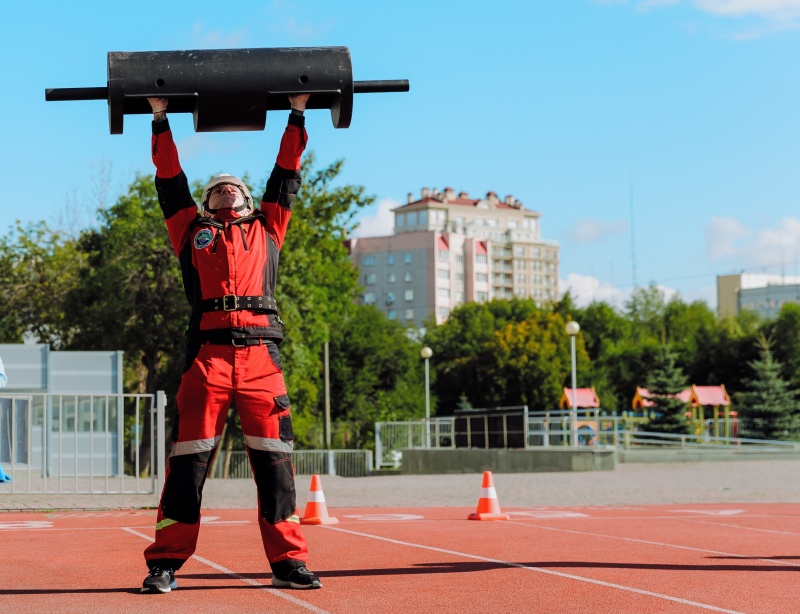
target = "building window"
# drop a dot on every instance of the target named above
(423, 217)
(368, 260)
(459, 276)
(459, 258)
(399, 218)
(391, 314)
(370, 279)
(409, 314)
(443, 274)
(443, 255)
(392, 278)
(482, 277)
(390, 259)
(491, 223)
(407, 277)
(481, 259)
(369, 298)
(411, 218)
(519, 251)
(443, 294)
(407, 258)
(482, 296)
(443, 312)
(409, 295)
(390, 298)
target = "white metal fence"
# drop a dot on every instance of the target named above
(82, 443)
(544, 429)
(344, 463)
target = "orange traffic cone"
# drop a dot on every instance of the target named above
(488, 506)
(316, 511)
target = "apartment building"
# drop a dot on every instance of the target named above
(448, 249)
(759, 292)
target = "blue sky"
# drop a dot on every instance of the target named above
(660, 139)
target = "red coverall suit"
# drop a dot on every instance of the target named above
(229, 267)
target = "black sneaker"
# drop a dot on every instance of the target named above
(159, 581)
(299, 577)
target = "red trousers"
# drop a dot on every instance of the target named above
(249, 378)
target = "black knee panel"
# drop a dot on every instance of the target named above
(274, 478)
(183, 491)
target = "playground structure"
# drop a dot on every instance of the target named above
(709, 409)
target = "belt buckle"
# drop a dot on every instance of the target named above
(225, 302)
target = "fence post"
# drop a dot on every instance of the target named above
(331, 463)
(368, 461)
(525, 426)
(378, 446)
(161, 404)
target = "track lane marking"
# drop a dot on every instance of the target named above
(550, 572)
(250, 581)
(654, 543)
(736, 526)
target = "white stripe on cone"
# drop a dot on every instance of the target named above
(316, 496)
(488, 493)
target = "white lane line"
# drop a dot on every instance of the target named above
(550, 572)
(736, 526)
(654, 543)
(250, 581)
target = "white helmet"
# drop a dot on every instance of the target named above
(230, 179)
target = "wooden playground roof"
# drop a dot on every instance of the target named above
(586, 397)
(696, 396)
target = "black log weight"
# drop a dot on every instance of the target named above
(229, 89)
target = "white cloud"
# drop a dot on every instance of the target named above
(587, 231)
(729, 240)
(722, 233)
(780, 10)
(379, 223)
(586, 289)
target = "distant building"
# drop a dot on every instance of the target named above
(761, 293)
(448, 249)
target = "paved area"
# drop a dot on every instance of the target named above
(773, 481)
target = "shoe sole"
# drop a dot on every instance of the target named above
(155, 589)
(287, 584)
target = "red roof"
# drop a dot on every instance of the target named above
(461, 199)
(711, 395)
(697, 396)
(586, 397)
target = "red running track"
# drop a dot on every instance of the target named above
(638, 559)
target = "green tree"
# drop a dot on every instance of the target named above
(376, 374)
(768, 408)
(317, 284)
(665, 383)
(37, 267)
(784, 332)
(458, 341)
(529, 363)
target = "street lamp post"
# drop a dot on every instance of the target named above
(573, 328)
(426, 354)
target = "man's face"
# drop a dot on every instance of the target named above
(225, 196)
